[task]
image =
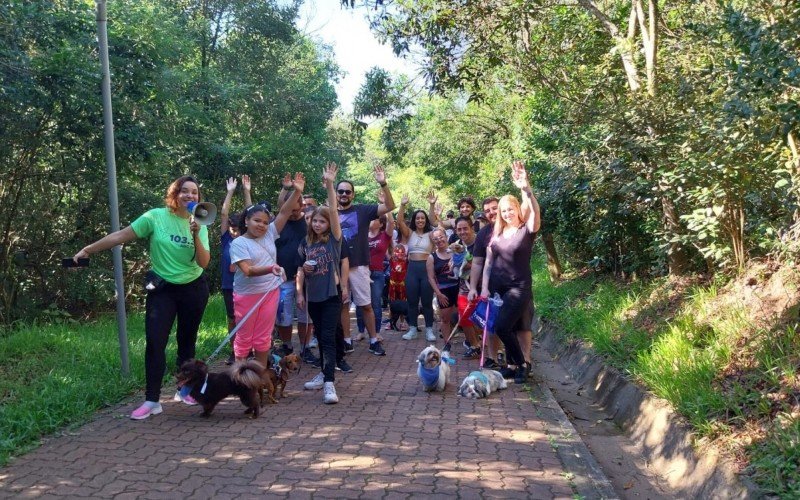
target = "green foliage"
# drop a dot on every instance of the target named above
(215, 89)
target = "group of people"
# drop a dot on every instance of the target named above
(310, 262)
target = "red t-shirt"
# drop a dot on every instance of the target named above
(377, 250)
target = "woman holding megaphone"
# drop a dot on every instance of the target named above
(176, 286)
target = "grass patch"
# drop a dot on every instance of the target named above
(735, 380)
(52, 376)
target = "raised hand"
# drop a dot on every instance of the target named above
(230, 184)
(431, 197)
(329, 173)
(404, 199)
(519, 175)
(380, 174)
(299, 181)
(286, 183)
(246, 182)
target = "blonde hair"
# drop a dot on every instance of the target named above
(499, 223)
(313, 237)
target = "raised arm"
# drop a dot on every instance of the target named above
(530, 207)
(230, 186)
(329, 180)
(431, 198)
(405, 231)
(388, 202)
(298, 183)
(248, 200)
(286, 187)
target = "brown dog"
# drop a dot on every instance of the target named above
(276, 376)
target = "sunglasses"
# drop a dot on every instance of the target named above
(344, 191)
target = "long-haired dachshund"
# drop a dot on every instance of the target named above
(243, 379)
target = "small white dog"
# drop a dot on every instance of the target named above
(434, 368)
(479, 384)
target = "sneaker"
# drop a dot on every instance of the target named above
(313, 342)
(377, 349)
(147, 409)
(308, 357)
(315, 383)
(508, 373)
(329, 397)
(466, 344)
(348, 348)
(429, 335)
(521, 375)
(411, 334)
(473, 353)
(231, 359)
(490, 364)
(285, 350)
(187, 399)
(343, 367)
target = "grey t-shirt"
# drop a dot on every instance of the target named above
(260, 252)
(321, 284)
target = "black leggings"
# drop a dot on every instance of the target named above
(515, 305)
(327, 327)
(187, 303)
(418, 288)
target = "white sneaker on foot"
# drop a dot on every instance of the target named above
(329, 397)
(315, 383)
(429, 335)
(411, 334)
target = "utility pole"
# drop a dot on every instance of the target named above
(111, 167)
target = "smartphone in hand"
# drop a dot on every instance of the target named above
(71, 263)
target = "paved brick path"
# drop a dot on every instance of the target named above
(385, 438)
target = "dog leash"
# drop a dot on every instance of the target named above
(485, 334)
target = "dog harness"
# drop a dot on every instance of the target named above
(480, 376)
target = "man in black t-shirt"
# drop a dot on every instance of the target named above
(287, 257)
(355, 219)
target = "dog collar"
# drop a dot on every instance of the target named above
(479, 375)
(205, 385)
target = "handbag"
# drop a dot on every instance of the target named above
(479, 317)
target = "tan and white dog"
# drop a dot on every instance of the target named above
(433, 368)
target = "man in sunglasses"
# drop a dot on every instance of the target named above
(355, 219)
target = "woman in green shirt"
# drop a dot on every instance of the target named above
(179, 252)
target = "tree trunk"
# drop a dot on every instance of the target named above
(553, 264)
(677, 258)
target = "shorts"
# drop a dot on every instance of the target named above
(451, 293)
(463, 312)
(525, 320)
(287, 306)
(227, 297)
(360, 281)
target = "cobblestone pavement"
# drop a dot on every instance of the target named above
(385, 439)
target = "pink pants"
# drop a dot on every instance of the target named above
(256, 332)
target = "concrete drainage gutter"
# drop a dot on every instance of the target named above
(663, 438)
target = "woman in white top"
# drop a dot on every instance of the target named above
(258, 274)
(419, 244)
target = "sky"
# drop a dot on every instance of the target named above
(355, 47)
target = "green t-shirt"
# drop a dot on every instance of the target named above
(171, 245)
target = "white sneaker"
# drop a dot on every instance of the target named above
(411, 334)
(315, 383)
(313, 342)
(330, 396)
(429, 335)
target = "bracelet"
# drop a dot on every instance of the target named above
(382, 184)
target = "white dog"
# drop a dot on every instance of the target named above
(479, 384)
(434, 368)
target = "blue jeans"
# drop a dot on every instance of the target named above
(376, 291)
